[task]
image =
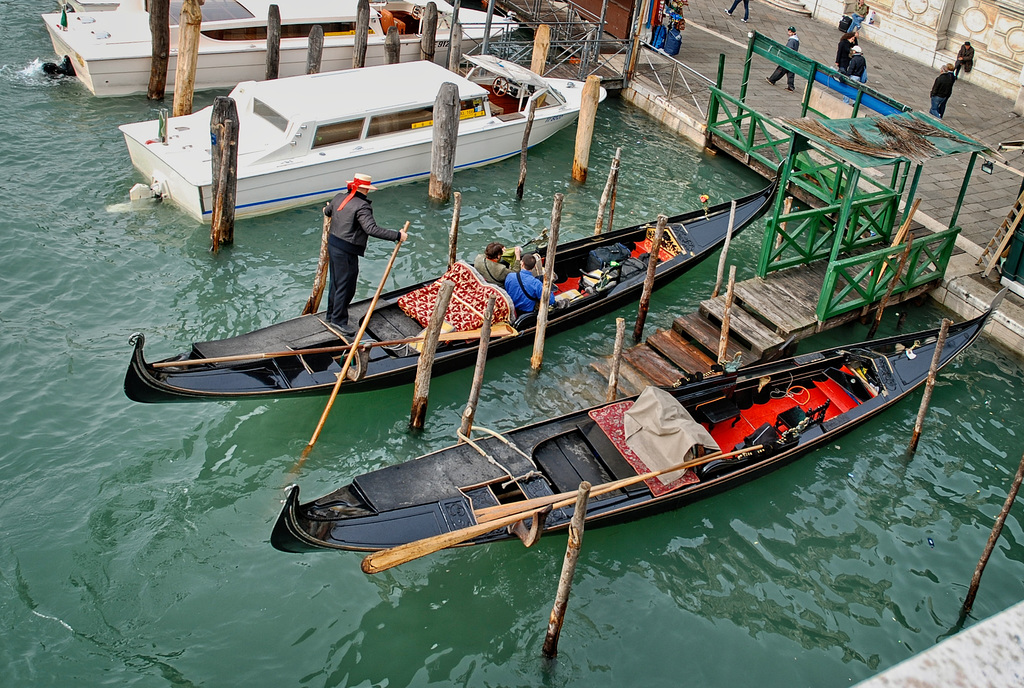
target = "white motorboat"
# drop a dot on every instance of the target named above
(111, 51)
(302, 138)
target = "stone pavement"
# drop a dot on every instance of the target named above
(980, 114)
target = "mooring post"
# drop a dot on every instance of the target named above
(455, 47)
(572, 555)
(613, 376)
(392, 46)
(160, 30)
(532, 109)
(478, 373)
(442, 150)
(541, 45)
(273, 42)
(997, 529)
(787, 205)
(723, 339)
(320, 278)
(362, 34)
(725, 250)
(453, 233)
(188, 55)
(652, 266)
(224, 169)
(537, 359)
(590, 97)
(613, 174)
(315, 49)
(421, 388)
(929, 384)
(892, 286)
(428, 25)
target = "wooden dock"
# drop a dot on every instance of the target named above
(769, 316)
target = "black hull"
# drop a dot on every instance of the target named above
(351, 518)
(316, 376)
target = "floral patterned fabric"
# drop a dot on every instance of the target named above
(609, 419)
(465, 312)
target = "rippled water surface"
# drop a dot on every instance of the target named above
(134, 546)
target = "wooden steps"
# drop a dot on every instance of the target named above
(758, 337)
(707, 334)
(680, 352)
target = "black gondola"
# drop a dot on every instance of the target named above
(778, 410)
(697, 234)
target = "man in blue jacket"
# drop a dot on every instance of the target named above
(524, 288)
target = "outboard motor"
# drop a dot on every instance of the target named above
(62, 68)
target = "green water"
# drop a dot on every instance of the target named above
(134, 546)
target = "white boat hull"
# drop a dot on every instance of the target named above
(262, 192)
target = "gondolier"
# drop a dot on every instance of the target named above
(352, 224)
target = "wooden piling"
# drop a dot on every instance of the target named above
(188, 55)
(725, 251)
(929, 385)
(224, 164)
(455, 48)
(273, 42)
(613, 376)
(537, 359)
(421, 388)
(453, 233)
(523, 149)
(315, 49)
(787, 205)
(888, 291)
(572, 555)
(590, 97)
(652, 265)
(160, 31)
(723, 339)
(997, 529)
(541, 46)
(392, 46)
(442, 150)
(362, 34)
(428, 26)
(320, 278)
(613, 176)
(478, 373)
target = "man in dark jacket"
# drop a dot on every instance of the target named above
(352, 224)
(942, 89)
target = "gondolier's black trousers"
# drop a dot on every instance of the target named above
(344, 275)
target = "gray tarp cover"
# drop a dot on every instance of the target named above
(662, 433)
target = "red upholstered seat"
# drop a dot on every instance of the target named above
(465, 312)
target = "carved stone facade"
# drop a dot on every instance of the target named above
(932, 31)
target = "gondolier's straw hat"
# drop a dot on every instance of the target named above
(362, 181)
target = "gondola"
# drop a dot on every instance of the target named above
(239, 367)
(736, 426)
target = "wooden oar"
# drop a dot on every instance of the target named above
(498, 330)
(389, 558)
(352, 352)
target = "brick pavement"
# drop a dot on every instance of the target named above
(978, 113)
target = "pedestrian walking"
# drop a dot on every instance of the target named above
(942, 89)
(793, 43)
(964, 58)
(746, 9)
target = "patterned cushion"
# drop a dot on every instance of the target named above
(465, 311)
(609, 419)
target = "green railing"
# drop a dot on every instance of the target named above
(755, 135)
(858, 281)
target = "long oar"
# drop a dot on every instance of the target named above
(388, 558)
(352, 352)
(499, 330)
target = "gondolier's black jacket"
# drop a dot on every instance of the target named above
(353, 224)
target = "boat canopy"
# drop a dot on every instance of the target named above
(509, 70)
(662, 433)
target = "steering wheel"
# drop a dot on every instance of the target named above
(417, 11)
(501, 86)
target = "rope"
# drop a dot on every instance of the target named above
(532, 473)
